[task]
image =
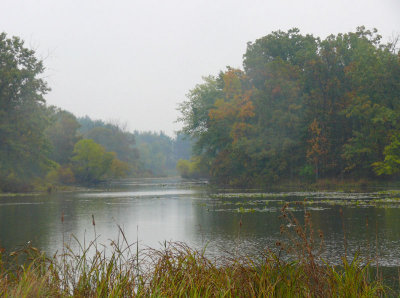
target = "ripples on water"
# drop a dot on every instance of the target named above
(155, 210)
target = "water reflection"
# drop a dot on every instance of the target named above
(138, 193)
(154, 210)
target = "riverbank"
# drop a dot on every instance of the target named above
(326, 184)
(40, 186)
(43, 189)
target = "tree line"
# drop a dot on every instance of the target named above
(42, 146)
(301, 108)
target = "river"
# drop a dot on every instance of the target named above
(156, 210)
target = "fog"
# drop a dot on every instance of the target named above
(134, 61)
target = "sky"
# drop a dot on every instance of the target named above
(133, 62)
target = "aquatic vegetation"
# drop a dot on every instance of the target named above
(19, 194)
(256, 202)
(122, 270)
(392, 192)
(299, 194)
(247, 210)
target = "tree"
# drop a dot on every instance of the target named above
(195, 115)
(290, 46)
(300, 104)
(63, 135)
(391, 164)
(194, 168)
(278, 121)
(91, 162)
(23, 146)
(236, 108)
(113, 138)
(373, 96)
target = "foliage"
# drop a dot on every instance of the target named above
(113, 138)
(91, 163)
(160, 153)
(61, 175)
(147, 153)
(317, 151)
(23, 146)
(299, 101)
(391, 163)
(196, 167)
(62, 134)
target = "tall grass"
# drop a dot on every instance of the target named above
(292, 269)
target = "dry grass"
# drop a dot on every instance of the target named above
(178, 270)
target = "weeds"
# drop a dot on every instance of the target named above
(292, 269)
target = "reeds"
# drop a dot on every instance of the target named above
(291, 269)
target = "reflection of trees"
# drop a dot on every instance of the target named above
(37, 219)
(390, 220)
(215, 223)
(186, 218)
(24, 219)
(264, 226)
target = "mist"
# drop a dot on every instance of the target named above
(134, 61)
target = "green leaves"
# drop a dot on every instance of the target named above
(391, 163)
(23, 117)
(91, 163)
(63, 135)
(332, 103)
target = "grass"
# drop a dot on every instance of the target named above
(293, 268)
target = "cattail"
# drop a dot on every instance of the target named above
(93, 222)
(62, 217)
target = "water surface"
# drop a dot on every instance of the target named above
(157, 210)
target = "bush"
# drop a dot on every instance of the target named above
(194, 168)
(61, 175)
(12, 183)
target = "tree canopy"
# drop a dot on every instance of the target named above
(302, 108)
(23, 146)
(92, 163)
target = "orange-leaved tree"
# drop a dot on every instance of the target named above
(236, 108)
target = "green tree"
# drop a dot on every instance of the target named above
(63, 135)
(195, 116)
(391, 164)
(24, 148)
(373, 99)
(90, 161)
(301, 102)
(157, 153)
(113, 138)
(196, 167)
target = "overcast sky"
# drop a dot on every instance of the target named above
(134, 61)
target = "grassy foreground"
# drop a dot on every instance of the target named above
(123, 270)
